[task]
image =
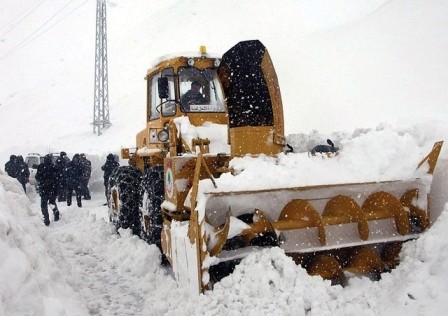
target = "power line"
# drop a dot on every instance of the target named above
(25, 41)
(5, 25)
(23, 18)
(40, 27)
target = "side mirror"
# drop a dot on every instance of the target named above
(162, 85)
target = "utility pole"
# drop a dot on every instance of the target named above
(101, 102)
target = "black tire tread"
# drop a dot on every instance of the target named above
(126, 181)
(153, 186)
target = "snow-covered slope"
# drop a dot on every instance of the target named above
(341, 65)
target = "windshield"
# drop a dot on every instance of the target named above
(200, 90)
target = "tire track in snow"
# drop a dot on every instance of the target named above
(82, 246)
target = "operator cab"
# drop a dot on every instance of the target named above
(185, 89)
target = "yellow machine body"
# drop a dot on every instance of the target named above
(329, 229)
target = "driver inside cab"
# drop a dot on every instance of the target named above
(193, 96)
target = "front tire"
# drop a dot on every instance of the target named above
(125, 198)
(153, 195)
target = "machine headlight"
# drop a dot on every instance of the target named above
(216, 63)
(190, 62)
(163, 136)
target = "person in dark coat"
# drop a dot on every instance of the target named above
(108, 167)
(11, 166)
(23, 173)
(47, 177)
(86, 172)
(73, 178)
(193, 96)
(60, 163)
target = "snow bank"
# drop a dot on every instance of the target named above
(29, 270)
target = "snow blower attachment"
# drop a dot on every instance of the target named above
(181, 192)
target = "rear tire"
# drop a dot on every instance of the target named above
(125, 198)
(153, 195)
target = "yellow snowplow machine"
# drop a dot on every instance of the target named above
(329, 229)
(182, 193)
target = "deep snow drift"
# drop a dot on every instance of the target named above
(80, 266)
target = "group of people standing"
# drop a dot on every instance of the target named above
(57, 179)
(60, 179)
(18, 169)
(74, 176)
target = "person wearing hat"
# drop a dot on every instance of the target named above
(108, 167)
(47, 177)
(193, 96)
(60, 164)
(73, 178)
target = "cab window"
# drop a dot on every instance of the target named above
(200, 90)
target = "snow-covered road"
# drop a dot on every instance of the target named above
(101, 266)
